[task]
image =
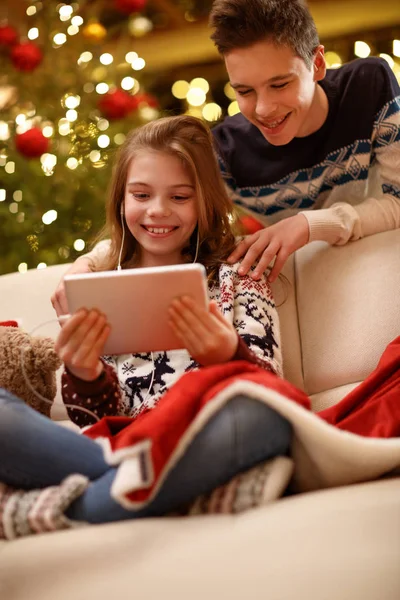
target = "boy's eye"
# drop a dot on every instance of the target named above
(280, 86)
(243, 92)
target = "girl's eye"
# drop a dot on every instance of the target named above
(180, 198)
(140, 195)
(280, 86)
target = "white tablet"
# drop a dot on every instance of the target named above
(136, 303)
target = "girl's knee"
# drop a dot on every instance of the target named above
(260, 428)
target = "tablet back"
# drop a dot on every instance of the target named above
(136, 303)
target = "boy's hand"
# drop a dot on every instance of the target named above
(59, 299)
(277, 241)
(206, 334)
(80, 343)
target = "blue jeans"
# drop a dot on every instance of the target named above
(36, 452)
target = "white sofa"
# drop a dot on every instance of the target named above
(341, 310)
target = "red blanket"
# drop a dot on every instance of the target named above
(147, 448)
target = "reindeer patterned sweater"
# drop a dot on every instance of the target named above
(131, 383)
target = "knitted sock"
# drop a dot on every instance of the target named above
(257, 486)
(38, 511)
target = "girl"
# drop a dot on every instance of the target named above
(167, 205)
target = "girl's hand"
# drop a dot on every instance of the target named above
(59, 298)
(206, 334)
(80, 343)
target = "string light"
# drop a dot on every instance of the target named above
(71, 115)
(10, 167)
(22, 267)
(139, 26)
(33, 33)
(361, 49)
(233, 108)
(196, 96)
(396, 48)
(85, 57)
(72, 101)
(72, 163)
(127, 83)
(106, 58)
(48, 162)
(64, 127)
(79, 245)
(17, 195)
(4, 131)
(138, 64)
(229, 91)
(77, 21)
(200, 82)
(49, 216)
(3, 195)
(119, 138)
(31, 10)
(102, 124)
(20, 119)
(41, 265)
(65, 12)
(72, 30)
(94, 156)
(103, 141)
(102, 88)
(180, 89)
(48, 131)
(13, 208)
(212, 112)
(333, 60)
(131, 56)
(59, 39)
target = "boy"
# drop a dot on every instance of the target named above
(326, 142)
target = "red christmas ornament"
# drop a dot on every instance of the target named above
(143, 99)
(115, 105)
(26, 56)
(8, 36)
(129, 6)
(250, 224)
(32, 143)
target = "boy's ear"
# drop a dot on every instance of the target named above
(319, 64)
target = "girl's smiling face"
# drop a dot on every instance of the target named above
(160, 207)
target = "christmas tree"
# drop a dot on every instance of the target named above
(71, 88)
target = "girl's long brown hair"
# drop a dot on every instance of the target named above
(190, 140)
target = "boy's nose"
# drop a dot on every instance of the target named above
(265, 108)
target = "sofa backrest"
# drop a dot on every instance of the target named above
(339, 310)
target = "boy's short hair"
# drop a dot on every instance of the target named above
(241, 23)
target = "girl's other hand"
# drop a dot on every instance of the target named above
(206, 334)
(59, 298)
(80, 343)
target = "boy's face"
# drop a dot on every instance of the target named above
(277, 92)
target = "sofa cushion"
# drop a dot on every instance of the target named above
(333, 545)
(348, 302)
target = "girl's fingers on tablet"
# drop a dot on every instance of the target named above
(89, 340)
(74, 333)
(93, 356)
